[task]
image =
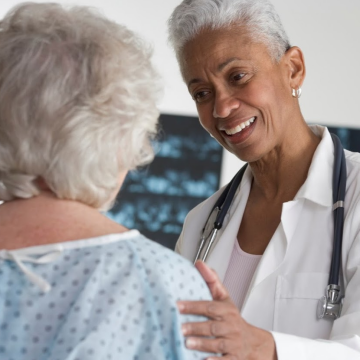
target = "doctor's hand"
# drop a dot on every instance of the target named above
(226, 332)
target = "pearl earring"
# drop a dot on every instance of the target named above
(296, 93)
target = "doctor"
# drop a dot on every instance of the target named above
(273, 252)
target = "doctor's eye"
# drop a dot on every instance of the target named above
(237, 77)
(201, 96)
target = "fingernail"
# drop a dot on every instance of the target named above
(180, 306)
(190, 343)
(185, 329)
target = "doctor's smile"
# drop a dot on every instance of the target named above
(239, 133)
(237, 129)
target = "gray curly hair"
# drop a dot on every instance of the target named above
(258, 16)
(77, 103)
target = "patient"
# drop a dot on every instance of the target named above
(77, 111)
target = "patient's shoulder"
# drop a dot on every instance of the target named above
(173, 273)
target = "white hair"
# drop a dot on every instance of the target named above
(258, 17)
(78, 100)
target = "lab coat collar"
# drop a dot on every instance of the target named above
(318, 185)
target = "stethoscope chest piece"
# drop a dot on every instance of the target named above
(330, 305)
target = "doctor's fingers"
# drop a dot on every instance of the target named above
(217, 289)
(217, 310)
(229, 348)
(211, 328)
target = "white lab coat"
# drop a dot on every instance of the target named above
(294, 269)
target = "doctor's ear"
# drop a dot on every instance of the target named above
(295, 64)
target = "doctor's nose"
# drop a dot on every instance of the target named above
(225, 103)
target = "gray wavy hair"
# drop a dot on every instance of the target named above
(258, 16)
(77, 103)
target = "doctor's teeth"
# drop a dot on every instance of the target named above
(240, 127)
(233, 130)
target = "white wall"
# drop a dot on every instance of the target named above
(328, 31)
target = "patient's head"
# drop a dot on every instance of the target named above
(77, 103)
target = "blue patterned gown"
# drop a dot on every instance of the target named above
(106, 298)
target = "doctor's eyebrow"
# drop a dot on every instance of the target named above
(227, 62)
(219, 69)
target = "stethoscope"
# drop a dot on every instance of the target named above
(330, 304)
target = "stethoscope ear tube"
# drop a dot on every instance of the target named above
(229, 198)
(222, 206)
(212, 239)
(201, 246)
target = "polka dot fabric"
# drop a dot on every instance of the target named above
(107, 301)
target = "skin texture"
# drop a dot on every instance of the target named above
(233, 79)
(46, 219)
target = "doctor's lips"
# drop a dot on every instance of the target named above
(238, 128)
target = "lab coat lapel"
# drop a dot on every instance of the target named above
(318, 189)
(290, 217)
(275, 252)
(220, 256)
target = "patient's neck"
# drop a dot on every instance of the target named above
(45, 219)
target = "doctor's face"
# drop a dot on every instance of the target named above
(243, 97)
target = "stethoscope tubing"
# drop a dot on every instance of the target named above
(339, 188)
(229, 198)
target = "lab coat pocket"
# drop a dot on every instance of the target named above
(296, 301)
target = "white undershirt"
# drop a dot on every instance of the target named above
(239, 273)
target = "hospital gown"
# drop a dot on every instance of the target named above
(111, 297)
